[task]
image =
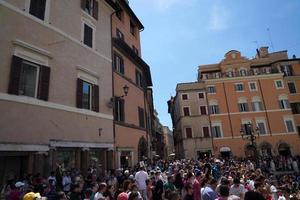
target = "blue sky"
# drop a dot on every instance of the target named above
(180, 35)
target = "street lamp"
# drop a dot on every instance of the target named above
(113, 99)
(251, 135)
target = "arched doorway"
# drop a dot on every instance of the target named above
(142, 149)
(284, 149)
(265, 150)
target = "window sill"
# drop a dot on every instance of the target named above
(88, 16)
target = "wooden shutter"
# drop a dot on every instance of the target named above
(203, 110)
(95, 9)
(95, 98)
(15, 73)
(141, 117)
(83, 4)
(122, 107)
(205, 132)
(79, 93)
(121, 65)
(43, 87)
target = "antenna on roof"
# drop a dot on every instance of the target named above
(269, 34)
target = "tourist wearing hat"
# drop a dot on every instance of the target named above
(31, 196)
(16, 192)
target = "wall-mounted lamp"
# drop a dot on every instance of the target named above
(112, 100)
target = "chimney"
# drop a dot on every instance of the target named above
(263, 52)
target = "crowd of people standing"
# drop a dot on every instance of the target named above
(204, 179)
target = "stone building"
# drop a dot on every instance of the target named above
(56, 82)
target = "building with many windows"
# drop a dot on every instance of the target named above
(256, 95)
(191, 127)
(56, 81)
(133, 112)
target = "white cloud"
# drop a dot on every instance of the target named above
(219, 18)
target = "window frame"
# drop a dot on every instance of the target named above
(211, 86)
(255, 83)
(187, 96)
(118, 33)
(293, 124)
(47, 10)
(192, 132)
(189, 111)
(216, 124)
(293, 82)
(90, 95)
(203, 93)
(117, 68)
(92, 26)
(257, 121)
(239, 84)
(200, 111)
(202, 129)
(282, 84)
(37, 66)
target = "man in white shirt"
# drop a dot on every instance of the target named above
(237, 189)
(141, 176)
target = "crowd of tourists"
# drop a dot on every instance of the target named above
(205, 179)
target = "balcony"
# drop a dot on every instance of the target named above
(241, 73)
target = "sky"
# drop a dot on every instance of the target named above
(180, 35)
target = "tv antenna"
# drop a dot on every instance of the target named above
(269, 34)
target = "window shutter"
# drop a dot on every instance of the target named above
(43, 87)
(95, 98)
(95, 10)
(83, 4)
(121, 66)
(15, 73)
(122, 116)
(114, 61)
(79, 93)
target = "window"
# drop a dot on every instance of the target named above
(211, 89)
(120, 35)
(252, 86)
(239, 87)
(29, 79)
(203, 110)
(87, 95)
(214, 109)
(229, 73)
(37, 8)
(186, 111)
(139, 78)
(184, 97)
(216, 131)
(141, 117)
(289, 124)
(119, 110)
(279, 84)
(247, 128)
(205, 131)
(295, 108)
(243, 72)
(261, 125)
(118, 63)
(292, 87)
(283, 102)
(257, 104)
(188, 132)
(201, 95)
(132, 28)
(243, 107)
(136, 51)
(88, 36)
(287, 70)
(90, 7)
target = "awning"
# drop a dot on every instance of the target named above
(225, 149)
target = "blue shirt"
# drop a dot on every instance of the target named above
(209, 194)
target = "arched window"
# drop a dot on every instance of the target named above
(257, 104)
(213, 107)
(283, 101)
(243, 105)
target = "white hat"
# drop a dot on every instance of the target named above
(19, 184)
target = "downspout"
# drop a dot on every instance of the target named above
(229, 117)
(210, 127)
(113, 93)
(263, 99)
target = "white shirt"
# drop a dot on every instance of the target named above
(98, 196)
(52, 178)
(141, 177)
(67, 183)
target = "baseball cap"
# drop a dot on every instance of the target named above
(19, 184)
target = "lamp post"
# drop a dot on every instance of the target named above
(113, 99)
(251, 135)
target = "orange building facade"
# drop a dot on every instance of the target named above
(258, 96)
(254, 95)
(132, 112)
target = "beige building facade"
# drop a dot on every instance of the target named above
(190, 118)
(55, 85)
